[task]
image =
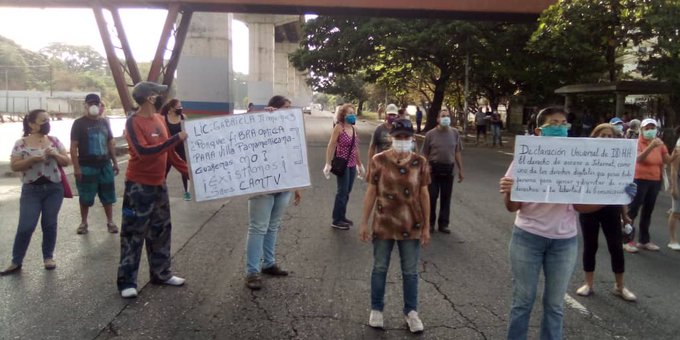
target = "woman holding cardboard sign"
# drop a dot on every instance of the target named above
(265, 218)
(544, 238)
(609, 218)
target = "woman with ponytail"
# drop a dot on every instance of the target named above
(38, 157)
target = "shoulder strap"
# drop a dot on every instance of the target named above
(351, 145)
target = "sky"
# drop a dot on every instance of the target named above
(36, 28)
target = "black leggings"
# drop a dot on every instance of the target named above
(647, 191)
(609, 218)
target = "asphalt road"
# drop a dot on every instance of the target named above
(464, 290)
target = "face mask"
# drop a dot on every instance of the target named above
(402, 145)
(391, 119)
(618, 128)
(94, 110)
(554, 131)
(649, 134)
(45, 128)
(445, 121)
(178, 111)
(351, 119)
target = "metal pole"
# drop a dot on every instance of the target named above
(465, 94)
(51, 80)
(6, 92)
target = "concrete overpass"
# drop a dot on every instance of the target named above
(205, 74)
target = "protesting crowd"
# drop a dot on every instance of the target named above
(408, 198)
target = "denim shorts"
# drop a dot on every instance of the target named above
(96, 181)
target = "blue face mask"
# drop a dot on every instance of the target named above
(351, 119)
(554, 131)
(445, 121)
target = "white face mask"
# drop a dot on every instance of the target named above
(93, 110)
(402, 145)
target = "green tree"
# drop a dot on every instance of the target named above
(658, 46)
(76, 58)
(378, 47)
(579, 41)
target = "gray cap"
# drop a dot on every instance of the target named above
(144, 89)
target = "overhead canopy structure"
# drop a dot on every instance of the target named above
(619, 88)
(180, 13)
(471, 9)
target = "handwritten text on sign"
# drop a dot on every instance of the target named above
(573, 170)
(247, 154)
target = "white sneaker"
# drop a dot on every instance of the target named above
(174, 281)
(128, 293)
(630, 247)
(674, 246)
(414, 323)
(376, 319)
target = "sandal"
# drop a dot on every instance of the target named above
(82, 229)
(12, 269)
(113, 229)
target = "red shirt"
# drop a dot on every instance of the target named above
(650, 168)
(150, 149)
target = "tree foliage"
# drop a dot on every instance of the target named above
(75, 58)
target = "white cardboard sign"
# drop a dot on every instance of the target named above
(247, 154)
(573, 170)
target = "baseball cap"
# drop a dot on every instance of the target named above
(402, 127)
(92, 98)
(145, 89)
(392, 109)
(615, 120)
(648, 121)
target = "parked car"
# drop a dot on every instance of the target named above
(307, 110)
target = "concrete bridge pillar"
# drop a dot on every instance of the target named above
(261, 65)
(204, 74)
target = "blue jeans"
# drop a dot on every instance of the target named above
(345, 183)
(409, 253)
(529, 254)
(37, 200)
(265, 217)
(496, 132)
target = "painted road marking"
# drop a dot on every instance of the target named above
(571, 302)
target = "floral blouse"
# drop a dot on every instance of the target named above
(398, 213)
(49, 169)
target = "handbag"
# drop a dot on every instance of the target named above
(64, 180)
(339, 164)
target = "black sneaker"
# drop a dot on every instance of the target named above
(274, 271)
(253, 281)
(342, 225)
(444, 230)
(348, 221)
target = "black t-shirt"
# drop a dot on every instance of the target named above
(174, 128)
(93, 136)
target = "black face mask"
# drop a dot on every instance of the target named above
(45, 128)
(178, 112)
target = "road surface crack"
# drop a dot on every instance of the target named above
(472, 324)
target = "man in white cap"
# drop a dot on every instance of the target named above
(146, 208)
(381, 139)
